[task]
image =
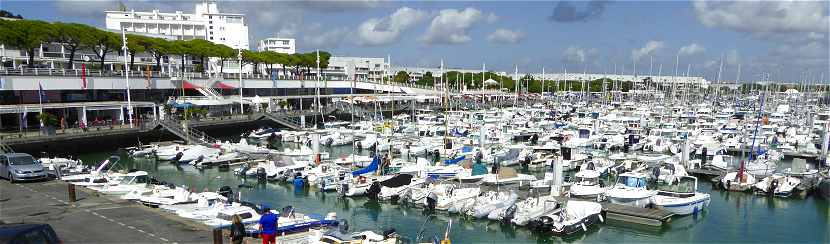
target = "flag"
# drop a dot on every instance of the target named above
(83, 76)
(41, 93)
(23, 121)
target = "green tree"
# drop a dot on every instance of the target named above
(224, 53)
(26, 35)
(180, 48)
(102, 42)
(156, 47)
(201, 49)
(401, 77)
(426, 79)
(135, 44)
(71, 36)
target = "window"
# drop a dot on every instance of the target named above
(246, 215)
(211, 27)
(211, 38)
(210, 22)
(211, 32)
(210, 17)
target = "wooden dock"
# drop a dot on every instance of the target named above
(623, 213)
(644, 216)
(706, 172)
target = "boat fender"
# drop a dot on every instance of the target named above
(583, 227)
(601, 219)
(772, 187)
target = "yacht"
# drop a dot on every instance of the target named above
(680, 196)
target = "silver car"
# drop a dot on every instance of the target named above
(21, 167)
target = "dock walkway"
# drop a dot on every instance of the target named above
(93, 219)
(643, 216)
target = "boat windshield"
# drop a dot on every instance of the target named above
(631, 181)
(683, 185)
(587, 181)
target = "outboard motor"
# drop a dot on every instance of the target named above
(436, 156)
(225, 191)
(388, 233)
(359, 145)
(509, 213)
(178, 157)
(373, 190)
(534, 139)
(772, 186)
(260, 174)
(432, 200)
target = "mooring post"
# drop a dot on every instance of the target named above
(71, 190)
(217, 236)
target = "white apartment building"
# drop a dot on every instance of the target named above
(280, 45)
(355, 68)
(205, 23)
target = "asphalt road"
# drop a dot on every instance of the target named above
(94, 219)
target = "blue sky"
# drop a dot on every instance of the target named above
(787, 39)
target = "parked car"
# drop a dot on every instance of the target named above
(20, 167)
(28, 233)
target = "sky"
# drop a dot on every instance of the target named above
(781, 40)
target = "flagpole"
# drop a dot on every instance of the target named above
(127, 78)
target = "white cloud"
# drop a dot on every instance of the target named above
(576, 54)
(506, 36)
(325, 39)
(374, 31)
(491, 18)
(650, 48)
(765, 16)
(691, 49)
(733, 57)
(450, 26)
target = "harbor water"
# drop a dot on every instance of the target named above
(731, 217)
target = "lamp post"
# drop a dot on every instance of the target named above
(127, 77)
(239, 58)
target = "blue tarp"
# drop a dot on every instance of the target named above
(454, 161)
(371, 168)
(466, 149)
(181, 105)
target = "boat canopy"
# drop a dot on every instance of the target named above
(371, 168)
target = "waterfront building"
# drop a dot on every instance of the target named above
(206, 22)
(280, 45)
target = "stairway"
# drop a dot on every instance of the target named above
(190, 135)
(209, 92)
(293, 123)
(5, 148)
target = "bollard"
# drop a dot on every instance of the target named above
(217, 236)
(71, 189)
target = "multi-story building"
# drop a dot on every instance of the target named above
(280, 45)
(205, 23)
(355, 68)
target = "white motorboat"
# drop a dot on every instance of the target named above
(777, 185)
(586, 186)
(575, 217)
(508, 176)
(492, 201)
(680, 196)
(532, 208)
(631, 189)
(132, 181)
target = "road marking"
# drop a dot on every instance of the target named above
(122, 224)
(131, 227)
(162, 239)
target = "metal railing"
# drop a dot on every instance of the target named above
(158, 74)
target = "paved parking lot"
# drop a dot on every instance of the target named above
(94, 219)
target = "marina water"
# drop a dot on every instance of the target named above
(731, 217)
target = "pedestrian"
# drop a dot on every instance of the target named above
(237, 230)
(268, 226)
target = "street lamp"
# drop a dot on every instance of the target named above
(127, 76)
